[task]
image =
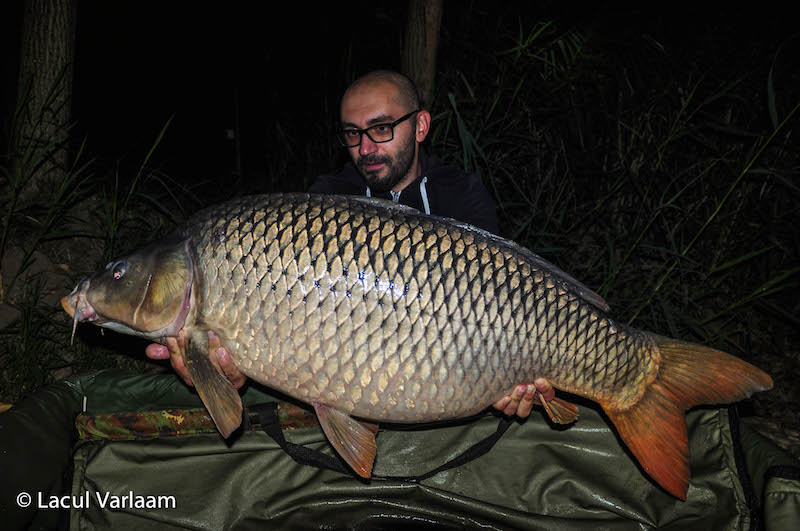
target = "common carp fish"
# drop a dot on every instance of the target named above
(368, 309)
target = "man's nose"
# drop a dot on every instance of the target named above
(367, 146)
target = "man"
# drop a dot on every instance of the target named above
(382, 126)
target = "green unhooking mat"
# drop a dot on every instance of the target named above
(123, 451)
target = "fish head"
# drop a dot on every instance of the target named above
(146, 293)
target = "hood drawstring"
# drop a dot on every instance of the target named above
(423, 191)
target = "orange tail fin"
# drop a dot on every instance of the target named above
(689, 375)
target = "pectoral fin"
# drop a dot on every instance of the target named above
(218, 394)
(560, 411)
(354, 440)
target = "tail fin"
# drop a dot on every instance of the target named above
(689, 375)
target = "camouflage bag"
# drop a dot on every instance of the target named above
(139, 451)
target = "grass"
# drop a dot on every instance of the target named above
(663, 196)
(60, 223)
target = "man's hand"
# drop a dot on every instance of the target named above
(219, 356)
(521, 400)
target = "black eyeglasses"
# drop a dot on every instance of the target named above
(378, 133)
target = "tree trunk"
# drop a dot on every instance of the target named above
(45, 91)
(419, 46)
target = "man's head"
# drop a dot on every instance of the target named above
(383, 97)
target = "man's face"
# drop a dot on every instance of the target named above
(383, 165)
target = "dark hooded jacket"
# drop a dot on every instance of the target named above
(440, 190)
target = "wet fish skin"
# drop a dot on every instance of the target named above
(387, 314)
(374, 310)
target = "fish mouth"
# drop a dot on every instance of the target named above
(78, 307)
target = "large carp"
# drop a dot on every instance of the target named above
(367, 309)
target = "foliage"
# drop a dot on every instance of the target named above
(656, 173)
(71, 217)
(674, 200)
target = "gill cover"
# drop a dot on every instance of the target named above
(148, 290)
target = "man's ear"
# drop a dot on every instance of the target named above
(423, 125)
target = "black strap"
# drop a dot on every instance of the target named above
(741, 470)
(789, 472)
(473, 452)
(268, 419)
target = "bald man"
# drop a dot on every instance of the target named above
(382, 127)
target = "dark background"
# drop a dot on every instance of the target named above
(645, 166)
(137, 64)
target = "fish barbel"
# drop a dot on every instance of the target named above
(368, 309)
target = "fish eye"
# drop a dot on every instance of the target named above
(119, 269)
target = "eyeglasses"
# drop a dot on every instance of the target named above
(378, 133)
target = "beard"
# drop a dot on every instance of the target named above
(396, 167)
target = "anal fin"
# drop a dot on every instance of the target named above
(218, 394)
(354, 440)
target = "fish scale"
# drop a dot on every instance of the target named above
(366, 308)
(466, 314)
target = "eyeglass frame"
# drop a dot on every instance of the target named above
(362, 132)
